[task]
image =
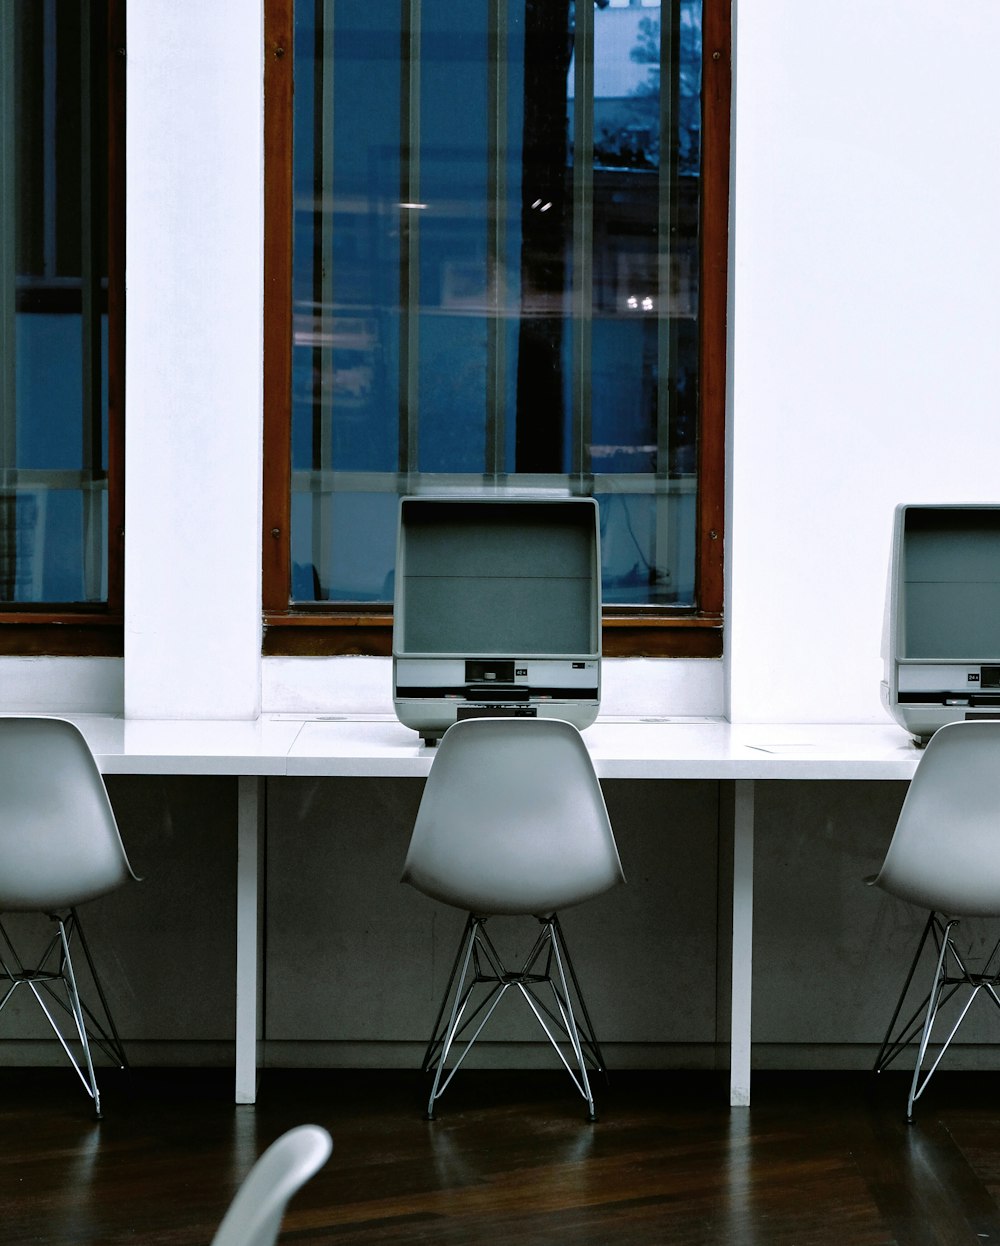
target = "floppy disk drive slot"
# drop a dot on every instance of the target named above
(497, 692)
(949, 698)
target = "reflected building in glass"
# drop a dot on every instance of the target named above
(495, 276)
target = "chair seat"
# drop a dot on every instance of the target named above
(512, 821)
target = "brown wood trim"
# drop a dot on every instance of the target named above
(116, 305)
(278, 222)
(319, 619)
(635, 634)
(38, 633)
(716, 85)
(662, 638)
(716, 95)
(328, 637)
(319, 635)
(635, 619)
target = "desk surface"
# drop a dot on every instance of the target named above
(285, 744)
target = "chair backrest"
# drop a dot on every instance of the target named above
(255, 1214)
(945, 851)
(59, 842)
(512, 820)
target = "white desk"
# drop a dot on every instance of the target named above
(382, 748)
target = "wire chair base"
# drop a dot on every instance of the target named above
(951, 975)
(53, 981)
(548, 984)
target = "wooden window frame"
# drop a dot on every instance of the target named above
(81, 628)
(648, 631)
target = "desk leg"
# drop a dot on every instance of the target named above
(739, 1070)
(249, 933)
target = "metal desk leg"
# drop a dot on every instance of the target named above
(739, 1070)
(249, 933)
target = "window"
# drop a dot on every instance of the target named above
(61, 325)
(495, 258)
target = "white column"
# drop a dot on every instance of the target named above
(194, 329)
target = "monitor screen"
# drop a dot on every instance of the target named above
(951, 583)
(498, 577)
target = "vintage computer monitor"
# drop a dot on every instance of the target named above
(497, 610)
(941, 645)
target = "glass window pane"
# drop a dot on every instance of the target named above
(53, 321)
(452, 294)
(496, 275)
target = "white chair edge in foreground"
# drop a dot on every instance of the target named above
(512, 822)
(258, 1207)
(945, 857)
(59, 847)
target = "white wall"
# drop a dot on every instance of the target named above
(864, 322)
(193, 369)
(864, 319)
(630, 687)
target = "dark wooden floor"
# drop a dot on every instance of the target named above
(817, 1160)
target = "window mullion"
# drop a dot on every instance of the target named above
(8, 258)
(665, 534)
(497, 220)
(323, 313)
(50, 195)
(409, 240)
(583, 239)
(8, 308)
(665, 330)
(90, 318)
(114, 213)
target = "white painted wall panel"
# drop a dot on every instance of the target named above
(194, 278)
(865, 318)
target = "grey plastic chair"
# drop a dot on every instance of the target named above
(258, 1207)
(945, 857)
(513, 822)
(59, 847)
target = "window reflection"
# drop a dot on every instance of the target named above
(496, 275)
(53, 306)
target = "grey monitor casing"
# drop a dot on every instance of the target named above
(941, 644)
(497, 610)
